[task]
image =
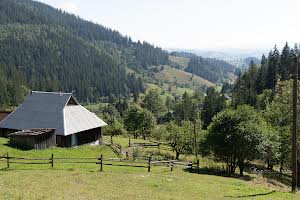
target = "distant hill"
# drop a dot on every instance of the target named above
(225, 53)
(248, 60)
(233, 56)
(211, 69)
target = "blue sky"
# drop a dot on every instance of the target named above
(195, 24)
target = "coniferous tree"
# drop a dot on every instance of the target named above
(274, 60)
(261, 79)
(285, 63)
(213, 104)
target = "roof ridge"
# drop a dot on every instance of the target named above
(42, 92)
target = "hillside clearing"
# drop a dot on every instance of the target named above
(181, 61)
(176, 76)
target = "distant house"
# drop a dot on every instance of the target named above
(33, 138)
(74, 125)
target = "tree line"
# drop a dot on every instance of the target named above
(212, 69)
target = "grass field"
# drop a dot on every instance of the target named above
(177, 76)
(85, 181)
(64, 184)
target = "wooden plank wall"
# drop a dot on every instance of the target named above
(42, 141)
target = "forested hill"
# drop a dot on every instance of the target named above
(38, 13)
(210, 69)
(42, 48)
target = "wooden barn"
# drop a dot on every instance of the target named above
(74, 125)
(33, 138)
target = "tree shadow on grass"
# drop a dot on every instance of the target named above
(218, 172)
(252, 195)
(271, 175)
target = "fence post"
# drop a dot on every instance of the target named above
(7, 159)
(129, 143)
(127, 156)
(101, 162)
(149, 164)
(198, 166)
(171, 164)
(111, 140)
(52, 162)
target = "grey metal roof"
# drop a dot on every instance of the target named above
(50, 110)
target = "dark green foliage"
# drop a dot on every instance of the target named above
(244, 91)
(208, 68)
(213, 104)
(183, 110)
(226, 87)
(12, 91)
(253, 82)
(139, 121)
(262, 75)
(255, 60)
(235, 136)
(51, 59)
(180, 138)
(154, 103)
(285, 67)
(274, 61)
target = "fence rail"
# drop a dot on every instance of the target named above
(143, 163)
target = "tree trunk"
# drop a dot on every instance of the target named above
(281, 166)
(177, 155)
(298, 174)
(241, 167)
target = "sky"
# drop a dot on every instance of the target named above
(195, 24)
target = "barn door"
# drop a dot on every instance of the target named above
(74, 140)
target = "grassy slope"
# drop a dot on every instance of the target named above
(62, 184)
(80, 152)
(175, 75)
(176, 90)
(179, 81)
(181, 61)
(85, 182)
(231, 78)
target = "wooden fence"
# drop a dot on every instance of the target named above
(141, 163)
(118, 149)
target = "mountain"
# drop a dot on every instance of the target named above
(51, 50)
(43, 48)
(233, 56)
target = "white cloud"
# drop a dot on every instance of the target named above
(70, 7)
